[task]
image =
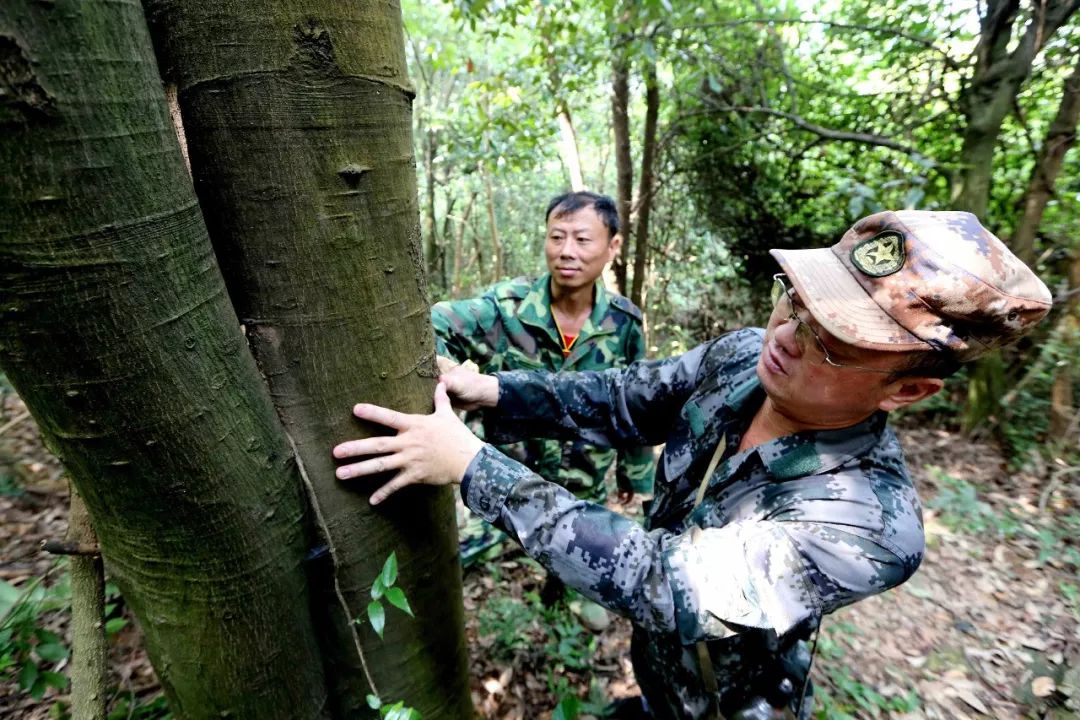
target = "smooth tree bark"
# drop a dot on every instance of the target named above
(646, 187)
(89, 650)
(116, 330)
(1060, 137)
(298, 119)
(1001, 67)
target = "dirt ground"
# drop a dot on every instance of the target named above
(989, 627)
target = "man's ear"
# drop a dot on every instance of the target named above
(614, 245)
(910, 390)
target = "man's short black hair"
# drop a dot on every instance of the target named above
(571, 202)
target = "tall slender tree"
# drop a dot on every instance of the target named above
(298, 119)
(116, 329)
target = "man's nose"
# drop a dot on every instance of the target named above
(787, 336)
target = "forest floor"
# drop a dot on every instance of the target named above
(989, 627)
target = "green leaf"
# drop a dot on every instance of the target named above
(377, 588)
(389, 571)
(396, 597)
(567, 709)
(9, 595)
(28, 675)
(37, 690)
(377, 617)
(115, 625)
(51, 652)
(55, 679)
(374, 702)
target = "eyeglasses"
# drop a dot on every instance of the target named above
(804, 332)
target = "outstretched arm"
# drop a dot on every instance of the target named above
(699, 583)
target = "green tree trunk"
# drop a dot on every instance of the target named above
(116, 330)
(298, 119)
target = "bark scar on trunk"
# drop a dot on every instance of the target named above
(22, 97)
(314, 49)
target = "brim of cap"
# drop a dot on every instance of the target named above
(831, 294)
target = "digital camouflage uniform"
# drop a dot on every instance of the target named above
(788, 530)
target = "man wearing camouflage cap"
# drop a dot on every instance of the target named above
(781, 494)
(562, 320)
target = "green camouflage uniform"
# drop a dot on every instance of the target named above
(510, 327)
(788, 530)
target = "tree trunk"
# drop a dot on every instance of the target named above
(624, 167)
(568, 150)
(996, 79)
(493, 227)
(989, 97)
(433, 250)
(459, 242)
(298, 117)
(88, 647)
(1062, 411)
(1060, 137)
(645, 189)
(116, 330)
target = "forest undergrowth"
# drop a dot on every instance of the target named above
(989, 627)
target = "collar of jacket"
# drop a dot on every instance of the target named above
(535, 310)
(810, 452)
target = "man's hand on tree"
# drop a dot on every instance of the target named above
(433, 449)
(468, 388)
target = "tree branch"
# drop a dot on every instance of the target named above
(827, 133)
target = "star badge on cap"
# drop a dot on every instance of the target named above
(880, 255)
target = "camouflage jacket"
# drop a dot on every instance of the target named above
(788, 530)
(510, 327)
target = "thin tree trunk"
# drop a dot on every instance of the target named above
(1060, 137)
(568, 149)
(88, 665)
(624, 167)
(645, 189)
(996, 79)
(459, 241)
(493, 227)
(116, 329)
(298, 117)
(431, 233)
(1062, 410)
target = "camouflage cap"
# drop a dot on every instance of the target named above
(919, 280)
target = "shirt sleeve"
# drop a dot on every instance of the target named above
(463, 329)
(620, 407)
(634, 465)
(700, 584)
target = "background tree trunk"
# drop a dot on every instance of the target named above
(116, 330)
(1060, 137)
(434, 253)
(624, 167)
(1062, 411)
(568, 150)
(299, 127)
(991, 92)
(645, 189)
(493, 227)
